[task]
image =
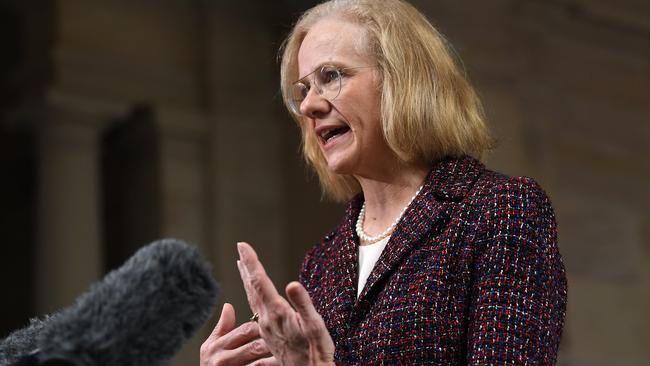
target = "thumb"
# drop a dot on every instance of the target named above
(300, 301)
(226, 321)
(311, 322)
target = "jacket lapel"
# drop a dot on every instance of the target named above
(344, 270)
(448, 182)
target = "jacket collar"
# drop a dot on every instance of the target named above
(450, 180)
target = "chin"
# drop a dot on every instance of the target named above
(340, 167)
(335, 168)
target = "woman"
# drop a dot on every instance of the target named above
(437, 260)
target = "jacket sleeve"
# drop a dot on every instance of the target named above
(305, 269)
(518, 296)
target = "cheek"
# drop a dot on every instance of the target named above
(363, 108)
(374, 121)
(370, 102)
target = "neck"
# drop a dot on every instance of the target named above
(387, 195)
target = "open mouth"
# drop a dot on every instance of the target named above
(329, 134)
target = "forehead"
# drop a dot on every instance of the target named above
(334, 41)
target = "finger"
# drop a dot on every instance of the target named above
(240, 336)
(274, 311)
(259, 281)
(269, 361)
(312, 323)
(249, 352)
(253, 300)
(226, 321)
(300, 300)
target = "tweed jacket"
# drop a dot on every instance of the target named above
(471, 275)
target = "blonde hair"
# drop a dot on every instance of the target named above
(429, 110)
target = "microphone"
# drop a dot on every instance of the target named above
(138, 315)
(21, 342)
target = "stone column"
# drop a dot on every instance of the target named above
(247, 176)
(183, 160)
(69, 254)
(184, 192)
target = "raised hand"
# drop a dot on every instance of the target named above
(295, 335)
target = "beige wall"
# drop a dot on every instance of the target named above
(565, 84)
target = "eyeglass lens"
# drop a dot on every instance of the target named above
(326, 82)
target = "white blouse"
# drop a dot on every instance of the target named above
(368, 256)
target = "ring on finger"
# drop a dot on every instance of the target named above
(255, 317)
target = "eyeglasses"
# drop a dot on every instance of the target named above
(327, 82)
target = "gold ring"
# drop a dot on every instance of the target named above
(255, 317)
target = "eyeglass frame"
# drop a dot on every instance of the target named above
(294, 104)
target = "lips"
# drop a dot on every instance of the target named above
(327, 133)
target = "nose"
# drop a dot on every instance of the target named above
(314, 105)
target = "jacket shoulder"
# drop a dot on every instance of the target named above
(497, 189)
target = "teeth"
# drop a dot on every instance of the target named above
(328, 134)
(331, 133)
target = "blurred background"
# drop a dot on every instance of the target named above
(126, 121)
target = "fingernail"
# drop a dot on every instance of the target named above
(239, 249)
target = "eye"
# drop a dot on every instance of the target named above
(300, 90)
(328, 74)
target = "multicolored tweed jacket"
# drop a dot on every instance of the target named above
(471, 275)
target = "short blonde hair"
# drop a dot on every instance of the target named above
(429, 110)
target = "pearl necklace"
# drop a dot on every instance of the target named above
(389, 230)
